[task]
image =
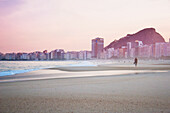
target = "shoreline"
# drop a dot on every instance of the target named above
(82, 71)
(13, 78)
(86, 71)
(105, 68)
(98, 64)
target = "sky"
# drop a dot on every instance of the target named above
(37, 25)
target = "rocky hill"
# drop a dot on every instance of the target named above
(147, 36)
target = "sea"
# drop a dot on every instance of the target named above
(16, 67)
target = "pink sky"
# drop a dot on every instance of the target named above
(31, 25)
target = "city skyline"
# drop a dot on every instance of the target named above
(132, 49)
(27, 26)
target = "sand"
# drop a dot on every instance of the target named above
(88, 90)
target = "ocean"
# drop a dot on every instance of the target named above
(16, 67)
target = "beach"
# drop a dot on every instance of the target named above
(108, 88)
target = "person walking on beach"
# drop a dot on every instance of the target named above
(136, 61)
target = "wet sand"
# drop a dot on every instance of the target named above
(89, 91)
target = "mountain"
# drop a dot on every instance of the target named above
(147, 36)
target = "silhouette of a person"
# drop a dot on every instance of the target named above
(136, 61)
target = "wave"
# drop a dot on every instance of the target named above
(24, 70)
(13, 72)
(83, 63)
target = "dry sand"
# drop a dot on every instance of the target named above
(110, 91)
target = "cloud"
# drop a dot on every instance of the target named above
(9, 6)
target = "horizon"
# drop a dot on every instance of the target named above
(26, 26)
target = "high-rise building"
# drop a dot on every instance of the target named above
(166, 49)
(132, 53)
(116, 53)
(57, 54)
(152, 51)
(10, 56)
(158, 50)
(74, 55)
(145, 51)
(24, 56)
(81, 55)
(97, 47)
(109, 53)
(136, 45)
(122, 52)
(84, 55)
(1, 55)
(67, 56)
(88, 55)
(129, 46)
